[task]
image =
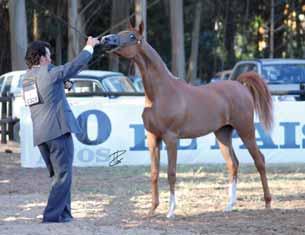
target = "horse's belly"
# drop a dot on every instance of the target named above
(194, 132)
(197, 127)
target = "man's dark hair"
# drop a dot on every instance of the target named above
(34, 51)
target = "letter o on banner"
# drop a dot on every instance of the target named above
(103, 125)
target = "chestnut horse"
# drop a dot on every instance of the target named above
(175, 109)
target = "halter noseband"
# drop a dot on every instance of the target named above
(127, 44)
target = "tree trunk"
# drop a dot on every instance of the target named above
(280, 45)
(245, 27)
(75, 39)
(5, 54)
(140, 13)
(230, 31)
(299, 37)
(35, 25)
(192, 66)
(165, 5)
(18, 33)
(119, 13)
(271, 41)
(177, 37)
(59, 37)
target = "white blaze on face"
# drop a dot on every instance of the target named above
(172, 206)
(232, 195)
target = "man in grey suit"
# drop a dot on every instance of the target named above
(53, 120)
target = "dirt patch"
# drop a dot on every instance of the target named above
(116, 200)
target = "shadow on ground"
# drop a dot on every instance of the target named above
(116, 201)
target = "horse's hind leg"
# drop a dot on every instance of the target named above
(224, 138)
(154, 149)
(248, 137)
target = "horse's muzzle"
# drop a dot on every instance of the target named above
(110, 42)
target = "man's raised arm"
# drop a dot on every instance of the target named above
(70, 69)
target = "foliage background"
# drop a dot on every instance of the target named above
(230, 30)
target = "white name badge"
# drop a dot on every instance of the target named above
(30, 92)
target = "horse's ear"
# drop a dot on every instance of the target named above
(130, 27)
(141, 27)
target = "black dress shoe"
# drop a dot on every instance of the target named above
(62, 220)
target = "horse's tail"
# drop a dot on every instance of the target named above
(261, 97)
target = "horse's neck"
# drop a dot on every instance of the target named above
(153, 70)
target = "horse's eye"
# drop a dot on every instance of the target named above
(132, 37)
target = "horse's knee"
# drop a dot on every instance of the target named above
(268, 199)
(171, 174)
(153, 148)
(262, 157)
(154, 177)
(153, 142)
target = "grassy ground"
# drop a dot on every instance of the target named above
(116, 201)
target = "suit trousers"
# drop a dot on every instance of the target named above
(58, 156)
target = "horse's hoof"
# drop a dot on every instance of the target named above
(268, 206)
(228, 208)
(170, 215)
(151, 213)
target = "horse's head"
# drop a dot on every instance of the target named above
(125, 43)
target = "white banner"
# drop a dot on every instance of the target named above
(111, 125)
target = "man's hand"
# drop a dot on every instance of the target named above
(91, 41)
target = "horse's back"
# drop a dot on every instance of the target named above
(230, 88)
(220, 104)
(223, 92)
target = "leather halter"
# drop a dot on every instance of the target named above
(126, 44)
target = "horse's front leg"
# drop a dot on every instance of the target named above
(154, 149)
(171, 144)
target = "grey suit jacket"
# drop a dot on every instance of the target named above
(53, 117)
